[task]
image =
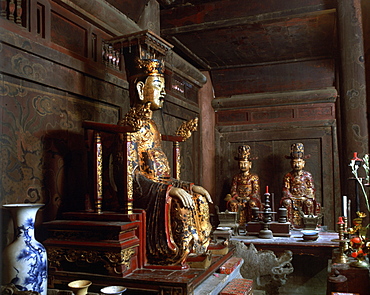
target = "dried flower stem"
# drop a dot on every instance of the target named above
(355, 173)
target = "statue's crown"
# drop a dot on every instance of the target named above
(150, 66)
(297, 151)
(244, 152)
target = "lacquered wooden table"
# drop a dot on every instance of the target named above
(322, 247)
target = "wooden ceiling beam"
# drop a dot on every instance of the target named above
(285, 61)
(224, 23)
(197, 12)
(185, 50)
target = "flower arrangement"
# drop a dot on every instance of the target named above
(360, 245)
(355, 166)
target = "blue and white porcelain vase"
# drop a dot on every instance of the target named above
(25, 260)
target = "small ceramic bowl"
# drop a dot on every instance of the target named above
(310, 235)
(224, 228)
(113, 290)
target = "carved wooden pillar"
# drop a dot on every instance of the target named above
(352, 83)
(352, 86)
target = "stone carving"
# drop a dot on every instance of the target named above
(268, 271)
(11, 289)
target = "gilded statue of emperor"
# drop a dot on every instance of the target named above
(245, 189)
(298, 193)
(177, 211)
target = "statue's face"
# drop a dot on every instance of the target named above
(153, 90)
(245, 165)
(297, 164)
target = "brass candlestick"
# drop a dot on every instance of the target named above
(341, 257)
(266, 233)
(345, 233)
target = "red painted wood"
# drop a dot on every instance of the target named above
(94, 236)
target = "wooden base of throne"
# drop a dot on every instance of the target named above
(145, 280)
(107, 244)
(110, 247)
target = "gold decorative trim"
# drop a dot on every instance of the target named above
(178, 160)
(130, 179)
(82, 255)
(186, 128)
(112, 260)
(99, 173)
(137, 117)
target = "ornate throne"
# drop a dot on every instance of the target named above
(108, 237)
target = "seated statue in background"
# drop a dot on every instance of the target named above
(298, 189)
(177, 211)
(245, 189)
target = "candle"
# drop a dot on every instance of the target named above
(267, 189)
(340, 220)
(345, 207)
(349, 213)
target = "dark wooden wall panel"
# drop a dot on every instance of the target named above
(43, 150)
(68, 34)
(274, 77)
(181, 88)
(286, 113)
(168, 121)
(48, 87)
(57, 75)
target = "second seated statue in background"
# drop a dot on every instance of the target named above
(177, 211)
(298, 189)
(245, 189)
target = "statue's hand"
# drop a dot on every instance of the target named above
(183, 196)
(202, 191)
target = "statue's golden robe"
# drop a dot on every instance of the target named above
(245, 192)
(298, 192)
(172, 230)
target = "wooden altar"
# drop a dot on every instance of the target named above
(109, 247)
